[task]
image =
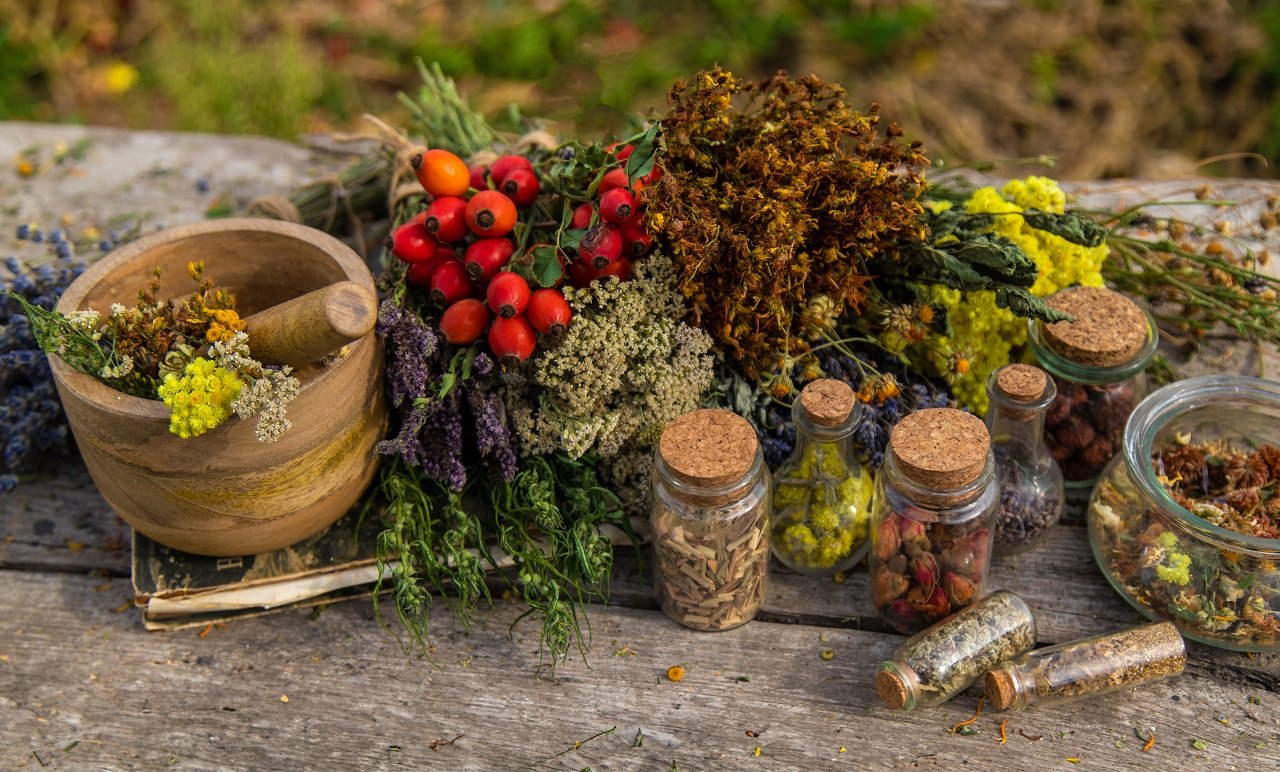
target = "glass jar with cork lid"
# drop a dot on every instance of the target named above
(1031, 490)
(933, 518)
(711, 504)
(1097, 363)
(821, 494)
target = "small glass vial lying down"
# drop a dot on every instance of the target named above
(1087, 667)
(936, 664)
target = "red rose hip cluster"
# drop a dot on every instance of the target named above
(460, 250)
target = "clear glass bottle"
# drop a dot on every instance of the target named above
(933, 518)
(1087, 667)
(1167, 556)
(938, 663)
(1031, 490)
(822, 495)
(711, 503)
(1097, 363)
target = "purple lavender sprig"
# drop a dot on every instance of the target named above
(32, 423)
(446, 401)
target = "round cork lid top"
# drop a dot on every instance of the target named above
(892, 689)
(1000, 689)
(709, 447)
(827, 402)
(1022, 383)
(1109, 328)
(941, 447)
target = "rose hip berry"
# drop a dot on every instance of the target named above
(479, 176)
(617, 206)
(441, 173)
(614, 178)
(549, 312)
(507, 164)
(419, 274)
(582, 215)
(601, 245)
(464, 322)
(620, 268)
(620, 151)
(485, 257)
(508, 294)
(449, 283)
(491, 213)
(580, 273)
(446, 218)
(636, 240)
(521, 186)
(412, 243)
(512, 340)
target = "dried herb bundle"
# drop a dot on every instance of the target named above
(767, 208)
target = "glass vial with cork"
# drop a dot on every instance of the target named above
(1031, 489)
(711, 503)
(938, 663)
(933, 518)
(1087, 667)
(1097, 363)
(821, 494)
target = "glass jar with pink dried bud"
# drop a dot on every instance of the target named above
(933, 519)
(1097, 362)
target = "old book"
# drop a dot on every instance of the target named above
(177, 589)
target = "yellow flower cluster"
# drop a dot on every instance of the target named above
(821, 509)
(200, 398)
(224, 323)
(986, 333)
(1175, 566)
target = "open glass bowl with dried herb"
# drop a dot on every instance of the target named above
(1185, 523)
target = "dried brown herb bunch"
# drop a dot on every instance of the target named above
(774, 207)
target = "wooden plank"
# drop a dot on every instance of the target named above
(1059, 579)
(74, 672)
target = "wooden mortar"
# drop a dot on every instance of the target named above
(224, 493)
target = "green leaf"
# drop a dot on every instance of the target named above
(643, 154)
(1028, 306)
(570, 239)
(1070, 226)
(547, 270)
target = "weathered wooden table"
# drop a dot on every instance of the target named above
(83, 686)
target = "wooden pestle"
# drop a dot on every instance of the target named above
(303, 330)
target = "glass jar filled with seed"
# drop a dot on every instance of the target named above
(1031, 490)
(821, 494)
(711, 505)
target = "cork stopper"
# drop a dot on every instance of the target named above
(892, 689)
(827, 402)
(941, 447)
(709, 447)
(1022, 383)
(1109, 328)
(1002, 693)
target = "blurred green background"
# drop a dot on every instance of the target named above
(1108, 87)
